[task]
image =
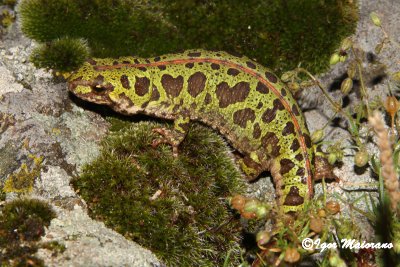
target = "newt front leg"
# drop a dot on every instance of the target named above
(173, 137)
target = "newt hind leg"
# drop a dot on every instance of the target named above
(250, 168)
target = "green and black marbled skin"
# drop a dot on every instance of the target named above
(240, 98)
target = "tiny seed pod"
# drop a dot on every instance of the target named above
(251, 205)
(351, 70)
(237, 202)
(248, 215)
(346, 44)
(333, 207)
(361, 158)
(334, 59)
(375, 19)
(261, 212)
(293, 86)
(346, 86)
(321, 213)
(316, 225)
(317, 136)
(292, 255)
(392, 105)
(332, 157)
(263, 237)
(287, 76)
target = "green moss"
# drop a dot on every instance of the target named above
(173, 206)
(64, 54)
(279, 34)
(22, 223)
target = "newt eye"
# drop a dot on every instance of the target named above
(99, 88)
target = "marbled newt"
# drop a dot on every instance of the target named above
(240, 98)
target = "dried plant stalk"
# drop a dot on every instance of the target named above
(389, 174)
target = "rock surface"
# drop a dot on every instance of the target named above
(38, 118)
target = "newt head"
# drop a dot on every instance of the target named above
(89, 84)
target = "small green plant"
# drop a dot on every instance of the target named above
(22, 223)
(174, 206)
(64, 54)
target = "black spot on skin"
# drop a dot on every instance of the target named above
(172, 86)
(286, 166)
(270, 139)
(115, 63)
(233, 72)
(126, 62)
(215, 66)
(289, 129)
(307, 140)
(207, 99)
(147, 61)
(136, 61)
(300, 171)
(189, 65)
(161, 67)
(262, 88)
(299, 157)
(155, 95)
(142, 86)
(196, 83)
(270, 114)
(230, 95)
(283, 92)
(142, 68)
(293, 198)
(157, 59)
(295, 110)
(271, 77)
(250, 64)
(256, 131)
(194, 54)
(260, 105)
(278, 104)
(125, 82)
(295, 145)
(92, 62)
(240, 117)
(193, 106)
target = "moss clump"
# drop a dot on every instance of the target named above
(279, 34)
(173, 206)
(64, 54)
(22, 223)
